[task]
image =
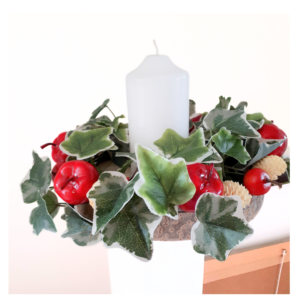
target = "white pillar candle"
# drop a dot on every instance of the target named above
(157, 99)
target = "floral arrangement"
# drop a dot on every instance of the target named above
(228, 157)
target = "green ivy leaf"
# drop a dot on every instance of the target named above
(79, 230)
(40, 218)
(257, 124)
(242, 105)
(230, 145)
(39, 179)
(51, 203)
(192, 149)
(126, 165)
(132, 229)
(252, 146)
(258, 117)
(162, 184)
(121, 133)
(223, 102)
(110, 193)
(264, 149)
(84, 144)
(214, 158)
(132, 156)
(220, 227)
(233, 120)
(99, 109)
(115, 122)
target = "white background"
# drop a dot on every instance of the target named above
(62, 66)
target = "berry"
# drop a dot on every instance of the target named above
(55, 170)
(57, 155)
(206, 180)
(271, 131)
(257, 182)
(73, 181)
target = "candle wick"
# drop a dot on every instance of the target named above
(155, 47)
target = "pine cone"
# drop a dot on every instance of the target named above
(234, 188)
(273, 165)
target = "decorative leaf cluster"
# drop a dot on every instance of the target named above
(126, 212)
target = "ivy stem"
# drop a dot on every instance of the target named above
(111, 111)
(236, 173)
(234, 169)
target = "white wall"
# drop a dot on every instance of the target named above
(62, 66)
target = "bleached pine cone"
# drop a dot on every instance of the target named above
(234, 188)
(273, 165)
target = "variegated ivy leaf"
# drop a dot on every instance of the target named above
(69, 133)
(99, 109)
(40, 218)
(192, 149)
(39, 179)
(233, 120)
(223, 102)
(257, 117)
(257, 124)
(126, 165)
(163, 184)
(214, 158)
(132, 156)
(109, 194)
(252, 146)
(51, 203)
(84, 144)
(241, 106)
(78, 229)
(132, 229)
(115, 122)
(220, 227)
(264, 149)
(122, 133)
(230, 145)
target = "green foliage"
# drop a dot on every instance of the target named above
(215, 157)
(258, 117)
(264, 149)
(84, 144)
(51, 203)
(132, 229)
(162, 184)
(132, 156)
(39, 179)
(220, 227)
(40, 218)
(121, 133)
(99, 109)
(223, 102)
(78, 229)
(110, 193)
(192, 149)
(233, 120)
(230, 145)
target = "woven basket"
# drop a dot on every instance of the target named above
(180, 230)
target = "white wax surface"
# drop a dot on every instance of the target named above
(157, 99)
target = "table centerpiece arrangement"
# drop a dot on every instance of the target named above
(205, 186)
